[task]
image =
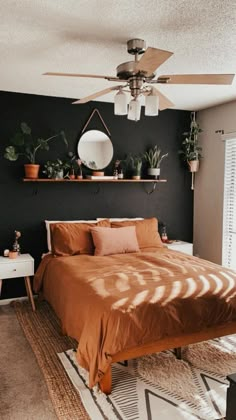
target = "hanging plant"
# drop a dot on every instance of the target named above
(190, 151)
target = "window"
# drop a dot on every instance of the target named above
(229, 218)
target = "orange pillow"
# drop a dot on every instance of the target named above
(73, 238)
(109, 241)
(146, 231)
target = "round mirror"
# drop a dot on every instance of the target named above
(95, 149)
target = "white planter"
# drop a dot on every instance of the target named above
(59, 175)
(155, 172)
(193, 165)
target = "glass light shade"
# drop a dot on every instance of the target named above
(151, 105)
(120, 103)
(134, 110)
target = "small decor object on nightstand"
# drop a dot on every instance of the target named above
(164, 236)
(16, 245)
(13, 254)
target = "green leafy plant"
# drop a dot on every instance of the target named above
(24, 144)
(55, 169)
(153, 157)
(136, 163)
(190, 149)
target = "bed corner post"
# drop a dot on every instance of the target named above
(178, 352)
(105, 383)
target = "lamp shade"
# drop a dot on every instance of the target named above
(120, 103)
(151, 105)
(134, 110)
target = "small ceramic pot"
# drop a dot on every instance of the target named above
(12, 254)
(98, 173)
(193, 165)
(155, 172)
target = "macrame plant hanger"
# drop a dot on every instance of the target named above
(101, 119)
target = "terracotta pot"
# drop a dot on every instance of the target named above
(13, 254)
(31, 170)
(193, 165)
(136, 177)
(98, 173)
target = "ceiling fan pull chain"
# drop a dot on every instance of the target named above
(102, 120)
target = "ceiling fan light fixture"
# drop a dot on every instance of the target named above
(120, 103)
(134, 110)
(151, 105)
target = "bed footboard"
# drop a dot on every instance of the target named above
(167, 343)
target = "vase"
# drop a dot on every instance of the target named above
(155, 172)
(193, 165)
(31, 170)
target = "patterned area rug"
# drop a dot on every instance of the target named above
(156, 386)
(161, 386)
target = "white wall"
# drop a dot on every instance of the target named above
(209, 181)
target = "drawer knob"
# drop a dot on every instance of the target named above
(14, 269)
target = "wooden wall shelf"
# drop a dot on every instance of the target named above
(96, 180)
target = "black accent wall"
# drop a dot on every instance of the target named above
(25, 206)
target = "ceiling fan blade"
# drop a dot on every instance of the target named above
(96, 95)
(152, 59)
(164, 102)
(197, 79)
(94, 76)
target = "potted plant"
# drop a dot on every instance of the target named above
(154, 158)
(55, 169)
(136, 163)
(24, 144)
(191, 151)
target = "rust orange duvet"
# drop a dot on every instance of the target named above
(112, 303)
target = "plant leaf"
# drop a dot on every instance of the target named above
(25, 128)
(18, 139)
(10, 153)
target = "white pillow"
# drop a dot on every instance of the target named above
(122, 219)
(48, 222)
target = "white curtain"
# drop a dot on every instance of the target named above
(229, 220)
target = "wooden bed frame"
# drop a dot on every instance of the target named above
(166, 344)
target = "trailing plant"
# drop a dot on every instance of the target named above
(153, 157)
(24, 144)
(190, 149)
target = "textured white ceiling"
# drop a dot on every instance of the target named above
(89, 36)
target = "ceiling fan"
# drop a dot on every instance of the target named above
(139, 77)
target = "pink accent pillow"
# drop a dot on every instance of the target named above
(109, 241)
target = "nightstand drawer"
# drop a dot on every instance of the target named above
(16, 269)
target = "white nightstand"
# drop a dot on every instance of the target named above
(22, 266)
(185, 247)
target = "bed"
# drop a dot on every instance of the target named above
(124, 305)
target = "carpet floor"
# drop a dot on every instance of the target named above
(42, 330)
(23, 392)
(155, 386)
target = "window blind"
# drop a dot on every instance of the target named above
(229, 215)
